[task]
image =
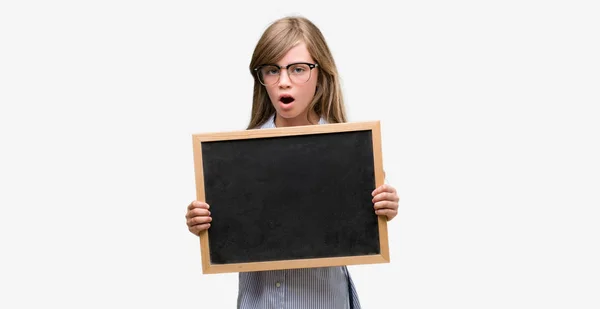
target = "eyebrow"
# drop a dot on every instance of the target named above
(293, 62)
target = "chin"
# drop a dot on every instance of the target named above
(289, 117)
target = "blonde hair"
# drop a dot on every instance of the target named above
(276, 41)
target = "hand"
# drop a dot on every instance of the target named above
(385, 200)
(198, 217)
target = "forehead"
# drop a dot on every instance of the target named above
(298, 53)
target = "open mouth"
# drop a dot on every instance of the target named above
(286, 99)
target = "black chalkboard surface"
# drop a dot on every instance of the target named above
(291, 197)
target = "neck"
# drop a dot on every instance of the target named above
(298, 121)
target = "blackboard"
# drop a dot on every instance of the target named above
(291, 197)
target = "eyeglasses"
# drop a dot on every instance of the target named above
(298, 72)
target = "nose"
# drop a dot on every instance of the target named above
(284, 79)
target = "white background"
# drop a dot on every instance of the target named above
(489, 113)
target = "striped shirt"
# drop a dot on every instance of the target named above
(306, 288)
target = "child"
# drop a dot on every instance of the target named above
(295, 83)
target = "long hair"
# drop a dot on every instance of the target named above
(276, 41)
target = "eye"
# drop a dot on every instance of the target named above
(270, 70)
(299, 69)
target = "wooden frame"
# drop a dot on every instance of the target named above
(374, 127)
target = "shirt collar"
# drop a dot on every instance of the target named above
(271, 122)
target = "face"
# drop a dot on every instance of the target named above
(290, 98)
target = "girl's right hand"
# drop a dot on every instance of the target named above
(198, 217)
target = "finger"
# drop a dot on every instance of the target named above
(197, 212)
(198, 220)
(383, 188)
(196, 229)
(389, 213)
(386, 196)
(198, 204)
(386, 205)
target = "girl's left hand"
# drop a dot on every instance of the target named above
(385, 199)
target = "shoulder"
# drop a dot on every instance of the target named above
(270, 123)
